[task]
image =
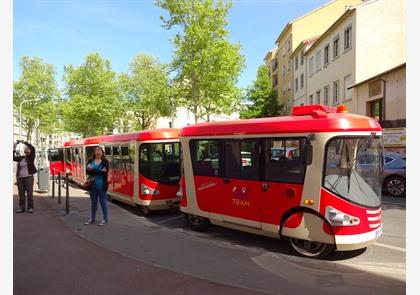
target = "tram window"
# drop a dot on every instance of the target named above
(116, 158)
(283, 161)
(157, 162)
(67, 155)
(205, 157)
(90, 150)
(125, 158)
(242, 159)
(55, 155)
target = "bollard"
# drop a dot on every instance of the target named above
(59, 188)
(67, 194)
(53, 185)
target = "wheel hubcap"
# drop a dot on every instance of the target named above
(395, 187)
(308, 248)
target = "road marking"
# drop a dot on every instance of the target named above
(169, 219)
(390, 247)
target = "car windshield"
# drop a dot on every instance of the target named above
(353, 169)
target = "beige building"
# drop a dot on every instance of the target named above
(302, 28)
(360, 60)
(300, 71)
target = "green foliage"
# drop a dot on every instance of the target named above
(92, 105)
(36, 82)
(260, 99)
(146, 91)
(207, 64)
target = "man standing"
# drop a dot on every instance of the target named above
(25, 176)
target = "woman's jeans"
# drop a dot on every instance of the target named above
(94, 195)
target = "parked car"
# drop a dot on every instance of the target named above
(394, 174)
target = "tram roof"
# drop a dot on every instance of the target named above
(303, 120)
(155, 134)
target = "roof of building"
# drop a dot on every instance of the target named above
(289, 24)
(377, 76)
(303, 43)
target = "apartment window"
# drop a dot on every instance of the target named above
(318, 97)
(289, 84)
(336, 91)
(296, 84)
(326, 95)
(289, 65)
(284, 70)
(301, 58)
(311, 66)
(318, 60)
(284, 88)
(375, 88)
(275, 64)
(284, 50)
(311, 99)
(375, 109)
(347, 83)
(289, 45)
(336, 47)
(275, 80)
(301, 81)
(326, 54)
(296, 62)
(347, 38)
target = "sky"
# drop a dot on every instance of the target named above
(63, 32)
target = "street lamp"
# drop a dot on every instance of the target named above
(20, 115)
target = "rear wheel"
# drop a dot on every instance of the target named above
(197, 223)
(310, 248)
(145, 210)
(395, 186)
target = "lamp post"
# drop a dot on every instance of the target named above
(20, 115)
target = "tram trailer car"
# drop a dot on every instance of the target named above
(144, 168)
(316, 196)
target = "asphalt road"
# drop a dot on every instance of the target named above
(233, 259)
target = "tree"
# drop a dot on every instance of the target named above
(260, 99)
(92, 105)
(147, 95)
(207, 65)
(37, 81)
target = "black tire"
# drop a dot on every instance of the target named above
(145, 210)
(395, 186)
(310, 249)
(197, 223)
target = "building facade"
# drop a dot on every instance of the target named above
(360, 61)
(311, 24)
(300, 71)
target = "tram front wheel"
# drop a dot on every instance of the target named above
(310, 248)
(197, 223)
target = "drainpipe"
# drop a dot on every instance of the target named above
(383, 99)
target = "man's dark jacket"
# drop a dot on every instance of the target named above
(29, 159)
(104, 164)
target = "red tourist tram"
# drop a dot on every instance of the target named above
(144, 166)
(313, 177)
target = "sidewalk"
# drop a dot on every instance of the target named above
(50, 258)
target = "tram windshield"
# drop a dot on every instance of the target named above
(353, 169)
(160, 162)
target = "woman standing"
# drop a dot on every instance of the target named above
(98, 167)
(25, 176)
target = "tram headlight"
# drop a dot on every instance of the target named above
(339, 218)
(148, 190)
(179, 193)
